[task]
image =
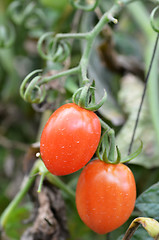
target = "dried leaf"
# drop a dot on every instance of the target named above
(50, 220)
(150, 225)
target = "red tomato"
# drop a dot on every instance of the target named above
(105, 195)
(69, 139)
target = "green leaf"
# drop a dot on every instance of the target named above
(15, 226)
(148, 202)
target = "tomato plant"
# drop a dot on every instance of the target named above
(79, 54)
(105, 195)
(69, 139)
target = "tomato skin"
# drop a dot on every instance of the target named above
(105, 195)
(69, 139)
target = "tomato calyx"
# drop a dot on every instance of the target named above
(109, 152)
(85, 97)
(106, 148)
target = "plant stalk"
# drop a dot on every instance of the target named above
(27, 182)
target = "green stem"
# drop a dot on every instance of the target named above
(85, 59)
(71, 35)
(59, 75)
(27, 182)
(60, 184)
(104, 125)
(41, 182)
(55, 180)
(90, 39)
(107, 17)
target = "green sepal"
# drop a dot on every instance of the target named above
(118, 159)
(85, 97)
(92, 91)
(104, 156)
(103, 145)
(76, 94)
(133, 155)
(82, 101)
(106, 149)
(96, 106)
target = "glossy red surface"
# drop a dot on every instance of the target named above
(69, 139)
(105, 195)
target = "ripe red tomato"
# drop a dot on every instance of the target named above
(105, 195)
(69, 139)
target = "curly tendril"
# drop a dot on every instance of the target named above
(55, 47)
(19, 11)
(34, 91)
(27, 14)
(56, 50)
(152, 20)
(31, 91)
(86, 6)
(36, 19)
(7, 35)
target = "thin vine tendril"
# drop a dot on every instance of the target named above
(56, 50)
(143, 95)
